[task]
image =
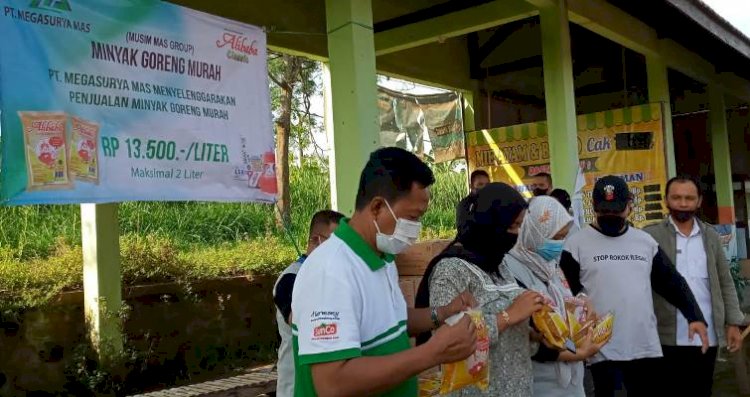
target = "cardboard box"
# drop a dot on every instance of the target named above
(414, 261)
(408, 289)
(409, 286)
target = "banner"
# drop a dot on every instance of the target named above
(120, 100)
(422, 124)
(627, 142)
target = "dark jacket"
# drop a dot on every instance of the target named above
(462, 210)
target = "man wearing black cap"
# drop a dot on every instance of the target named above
(618, 267)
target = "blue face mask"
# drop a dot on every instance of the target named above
(551, 249)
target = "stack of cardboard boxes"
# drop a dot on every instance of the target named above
(412, 264)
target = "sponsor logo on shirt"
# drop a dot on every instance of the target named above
(326, 331)
(324, 316)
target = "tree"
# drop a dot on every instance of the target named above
(293, 85)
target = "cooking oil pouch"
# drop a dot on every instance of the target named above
(603, 328)
(579, 322)
(84, 150)
(552, 326)
(45, 147)
(475, 370)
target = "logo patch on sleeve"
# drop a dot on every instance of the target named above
(326, 331)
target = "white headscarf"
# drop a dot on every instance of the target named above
(544, 218)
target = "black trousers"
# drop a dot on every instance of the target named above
(640, 377)
(688, 371)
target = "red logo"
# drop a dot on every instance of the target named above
(238, 42)
(56, 141)
(609, 192)
(49, 126)
(325, 331)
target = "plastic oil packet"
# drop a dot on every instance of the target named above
(579, 322)
(429, 385)
(475, 370)
(44, 136)
(552, 326)
(84, 153)
(603, 328)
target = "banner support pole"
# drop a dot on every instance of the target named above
(102, 281)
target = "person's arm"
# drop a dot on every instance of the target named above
(669, 283)
(449, 278)
(572, 271)
(734, 315)
(420, 320)
(282, 296)
(367, 376)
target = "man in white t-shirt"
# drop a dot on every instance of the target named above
(619, 267)
(350, 321)
(322, 225)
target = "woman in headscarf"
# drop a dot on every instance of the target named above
(533, 262)
(473, 262)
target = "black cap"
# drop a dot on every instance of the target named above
(611, 194)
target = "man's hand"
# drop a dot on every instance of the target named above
(452, 343)
(464, 301)
(698, 327)
(734, 338)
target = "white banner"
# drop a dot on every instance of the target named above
(116, 100)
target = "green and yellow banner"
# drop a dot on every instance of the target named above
(628, 142)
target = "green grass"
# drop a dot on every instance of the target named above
(40, 252)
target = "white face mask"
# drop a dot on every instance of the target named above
(404, 235)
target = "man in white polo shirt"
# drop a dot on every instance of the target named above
(350, 320)
(694, 247)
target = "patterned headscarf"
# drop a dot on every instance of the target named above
(545, 218)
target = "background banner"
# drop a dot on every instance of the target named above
(427, 125)
(627, 142)
(119, 100)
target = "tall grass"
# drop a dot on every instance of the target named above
(40, 252)
(35, 231)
